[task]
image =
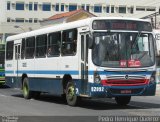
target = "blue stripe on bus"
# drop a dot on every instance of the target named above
(76, 72)
(72, 72)
(9, 72)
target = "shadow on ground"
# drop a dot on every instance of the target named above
(4, 87)
(95, 104)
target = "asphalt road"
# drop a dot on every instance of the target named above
(12, 103)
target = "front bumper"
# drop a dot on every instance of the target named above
(98, 90)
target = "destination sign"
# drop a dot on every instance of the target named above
(122, 25)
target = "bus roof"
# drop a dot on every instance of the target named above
(70, 25)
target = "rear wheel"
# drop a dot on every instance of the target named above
(26, 92)
(71, 97)
(123, 100)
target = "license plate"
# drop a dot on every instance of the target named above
(125, 91)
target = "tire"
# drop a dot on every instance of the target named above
(123, 100)
(27, 94)
(71, 97)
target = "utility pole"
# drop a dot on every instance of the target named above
(155, 20)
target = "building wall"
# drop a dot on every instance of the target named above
(2, 11)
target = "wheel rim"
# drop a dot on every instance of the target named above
(70, 93)
(25, 90)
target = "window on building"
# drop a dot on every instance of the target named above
(8, 5)
(41, 45)
(12, 20)
(112, 9)
(150, 9)
(9, 50)
(72, 7)
(30, 47)
(83, 7)
(107, 9)
(30, 6)
(122, 9)
(19, 6)
(35, 20)
(26, 20)
(23, 49)
(8, 19)
(46, 7)
(87, 7)
(57, 7)
(35, 6)
(69, 42)
(54, 42)
(20, 20)
(131, 10)
(62, 7)
(97, 9)
(140, 9)
(30, 20)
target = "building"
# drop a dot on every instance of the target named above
(67, 17)
(18, 16)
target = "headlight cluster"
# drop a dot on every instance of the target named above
(97, 78)
(153, 77)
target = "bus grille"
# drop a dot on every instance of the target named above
(123, 82)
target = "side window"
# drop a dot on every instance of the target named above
(41, 45)
(69, 42)
(30, 47)
(9, 50)
(54, 40)
(23, 49)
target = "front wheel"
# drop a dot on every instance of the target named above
(71, 97)
(123, 100)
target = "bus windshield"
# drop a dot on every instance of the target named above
(123, 49)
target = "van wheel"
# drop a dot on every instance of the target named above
(71, 97)
(123, 100)
(26, 92)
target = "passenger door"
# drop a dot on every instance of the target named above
(17, 56)
(84, 62)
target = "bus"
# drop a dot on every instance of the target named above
(99, 57)
(2, 58)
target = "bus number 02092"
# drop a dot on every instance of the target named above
(97, 89)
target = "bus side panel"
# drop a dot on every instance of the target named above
(49, 85)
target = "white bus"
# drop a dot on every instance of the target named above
(98, 57)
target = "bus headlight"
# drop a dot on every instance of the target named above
(153, 77)
(97, 78)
